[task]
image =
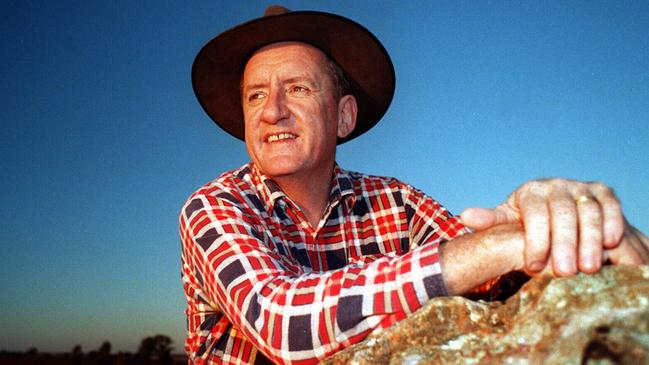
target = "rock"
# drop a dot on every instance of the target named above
(585, 319)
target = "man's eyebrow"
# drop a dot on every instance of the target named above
(290, 80)
(260, 85)
(300, 79)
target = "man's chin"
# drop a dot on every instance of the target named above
(279, 169)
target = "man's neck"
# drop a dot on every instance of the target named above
(310, 193)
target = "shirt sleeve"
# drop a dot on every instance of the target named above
(429, 221)
(297, 317)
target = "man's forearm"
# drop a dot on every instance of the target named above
(470, 260)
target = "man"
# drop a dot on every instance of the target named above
(291, 258)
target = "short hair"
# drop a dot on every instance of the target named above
(338, 77)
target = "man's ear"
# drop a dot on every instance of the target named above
(347, 110)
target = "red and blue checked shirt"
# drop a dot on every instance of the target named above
(262, 283)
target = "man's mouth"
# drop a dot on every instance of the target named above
(280, 137)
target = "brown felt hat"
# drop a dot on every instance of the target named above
(217, 69)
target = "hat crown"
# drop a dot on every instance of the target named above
(276, 10)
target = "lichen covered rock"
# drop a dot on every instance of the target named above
(585, 319)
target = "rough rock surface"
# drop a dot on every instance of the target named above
(586, 319)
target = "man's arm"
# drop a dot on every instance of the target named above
(470, 260)
(499, 250)
(294, 316)
(291, 315)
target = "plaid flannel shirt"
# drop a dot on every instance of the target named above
(262, 283)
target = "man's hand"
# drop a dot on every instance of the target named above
(633, 250)
(571, 222)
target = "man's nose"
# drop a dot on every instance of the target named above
(275, 108)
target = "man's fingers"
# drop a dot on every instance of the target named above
(482, 218)
(590, 234)
(568, 224)
(633, 250)
(477, 218)
(563, 218)
(536, 220)
(613, 219)
(625, 254)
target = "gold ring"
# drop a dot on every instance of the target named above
(584, 198)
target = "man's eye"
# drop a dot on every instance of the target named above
(298, 89)
(255, 96)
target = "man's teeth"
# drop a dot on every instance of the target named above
(278, 137)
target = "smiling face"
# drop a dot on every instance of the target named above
(292, 114)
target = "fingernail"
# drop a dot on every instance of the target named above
(566, 267)
(590, 266)
(535, 266)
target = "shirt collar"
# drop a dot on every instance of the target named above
(268, 189)
(341, 186)
(271, 193)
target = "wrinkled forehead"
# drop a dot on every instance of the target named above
(282, 53)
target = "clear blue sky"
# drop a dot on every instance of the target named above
(102, 139)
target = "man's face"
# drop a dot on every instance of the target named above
(290, 111)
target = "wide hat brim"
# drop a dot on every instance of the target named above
(217, 69)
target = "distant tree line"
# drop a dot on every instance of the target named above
(152, 350)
